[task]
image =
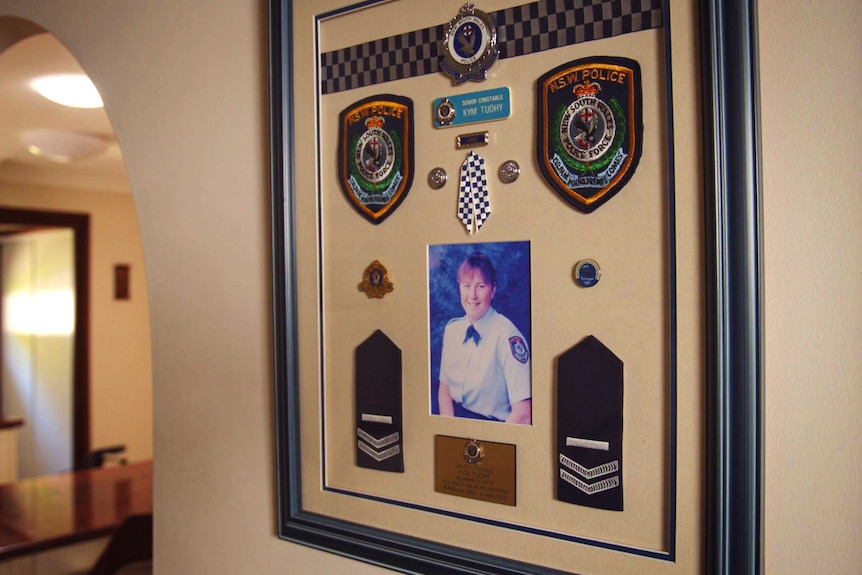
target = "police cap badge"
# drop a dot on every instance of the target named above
(469, 45)
(590, 128)
(375, 154)
(375, 281)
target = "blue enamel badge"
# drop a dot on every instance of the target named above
(375, 154)
(587, 273)
(590, 128)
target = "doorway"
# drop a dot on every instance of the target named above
(45, 338)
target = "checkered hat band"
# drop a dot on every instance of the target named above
(521, 30)
(481, 202)
(474, 204)
(465, 196)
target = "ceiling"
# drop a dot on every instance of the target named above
(22, 108)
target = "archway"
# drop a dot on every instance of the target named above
(113, 389)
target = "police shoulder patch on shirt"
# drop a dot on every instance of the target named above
(519, 348)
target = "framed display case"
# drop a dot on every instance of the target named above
(575, 183)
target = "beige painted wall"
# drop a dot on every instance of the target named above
(121, 397)
(185, 86)
(811, 62)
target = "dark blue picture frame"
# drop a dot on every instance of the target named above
(732, 211)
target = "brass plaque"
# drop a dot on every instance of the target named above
(475, 469)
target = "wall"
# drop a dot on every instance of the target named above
(185, 86)
(121, 405)
(811, 61)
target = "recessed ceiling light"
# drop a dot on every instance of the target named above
(63, 145)
(73, 90)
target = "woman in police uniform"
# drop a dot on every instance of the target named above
(485, 365)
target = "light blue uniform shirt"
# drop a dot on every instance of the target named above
(489, 376)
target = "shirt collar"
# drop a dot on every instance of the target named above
(484, 322)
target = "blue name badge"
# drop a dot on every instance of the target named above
(484, 106)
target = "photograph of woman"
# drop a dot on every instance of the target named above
(479, 302)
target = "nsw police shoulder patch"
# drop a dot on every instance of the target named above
(519, 348)
(590, 128)
(375, 154)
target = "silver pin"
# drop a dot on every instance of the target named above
(509, 171)
(437, 178)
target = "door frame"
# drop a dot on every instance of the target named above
(80, 226)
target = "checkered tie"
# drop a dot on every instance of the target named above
(474, 205)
